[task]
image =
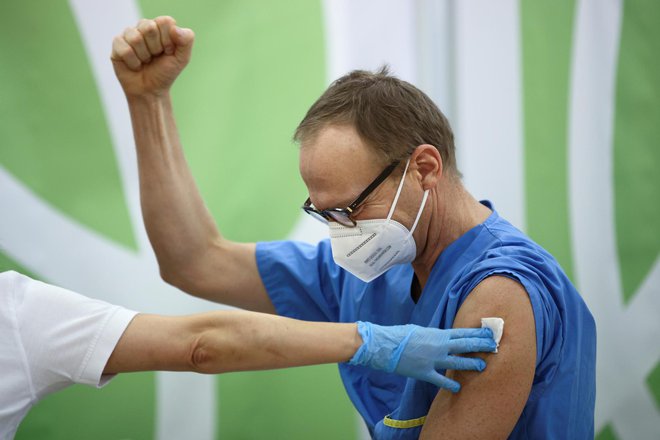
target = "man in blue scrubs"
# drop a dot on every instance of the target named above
(408, 244)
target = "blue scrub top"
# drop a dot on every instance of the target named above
(304, 282)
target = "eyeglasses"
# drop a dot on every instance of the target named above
(343, 215)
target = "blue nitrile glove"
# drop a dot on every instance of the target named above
(420, 352)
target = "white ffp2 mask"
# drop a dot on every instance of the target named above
(373, 246)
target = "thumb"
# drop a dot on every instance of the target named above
(183, 39)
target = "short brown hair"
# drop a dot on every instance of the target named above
(389, 114)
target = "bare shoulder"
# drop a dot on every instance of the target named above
(490, 403)
(500, 296)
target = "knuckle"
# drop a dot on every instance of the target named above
(124, 53)
(165, 19)
(134, 40)
(148, 27)
(117, 42)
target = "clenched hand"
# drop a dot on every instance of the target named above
(148, 58)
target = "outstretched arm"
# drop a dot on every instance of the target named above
(223, 341)
(191, 253)
(491, 402)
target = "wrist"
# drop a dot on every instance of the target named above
(357, 340)
(148, 97)
(362, 339)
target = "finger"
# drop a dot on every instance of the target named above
(165, 25)
(462, 363)
(122, 52)
(471, 345)
(151, 34)
(441, 381)
(135, 39)
(456, 333)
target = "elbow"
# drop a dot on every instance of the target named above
(213, 351)
(171, 277)
(201, 359)
(166, 275)
(193, 273)
(178, 279)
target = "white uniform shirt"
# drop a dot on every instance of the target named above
(50, 338)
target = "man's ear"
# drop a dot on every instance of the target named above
(427, 163)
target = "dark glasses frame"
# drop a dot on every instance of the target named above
(343, 215)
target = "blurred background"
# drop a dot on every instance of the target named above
(556, 109)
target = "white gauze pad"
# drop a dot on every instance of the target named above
(496, 325)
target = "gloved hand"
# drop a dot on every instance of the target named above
(419, 352)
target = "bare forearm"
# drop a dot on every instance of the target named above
(238, 341)
(223, 341)
(191, 253)
(179, 226)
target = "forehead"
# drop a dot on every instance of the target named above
(336, 166)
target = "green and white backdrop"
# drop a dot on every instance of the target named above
(556, 107)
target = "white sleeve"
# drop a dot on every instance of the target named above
(67, 337)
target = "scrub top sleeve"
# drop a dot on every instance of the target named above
(544, 314)
(302, 280)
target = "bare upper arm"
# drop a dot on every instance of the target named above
(490, 403)
(226, 273)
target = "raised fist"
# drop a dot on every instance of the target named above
(147, 58)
